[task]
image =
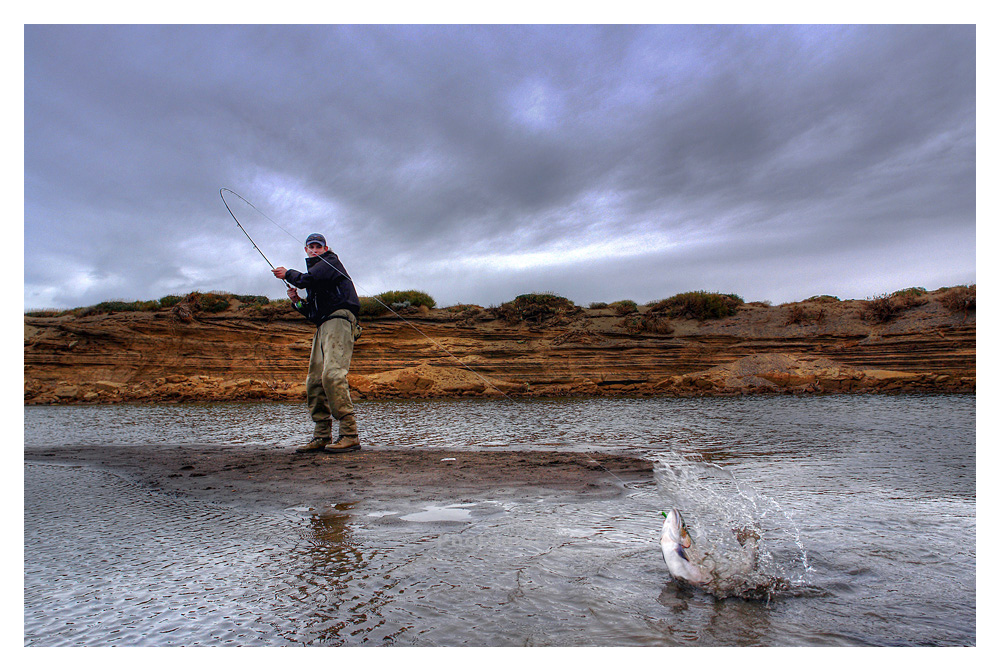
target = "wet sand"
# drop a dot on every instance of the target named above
(267, 477)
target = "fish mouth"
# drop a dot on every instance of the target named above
(676, 529)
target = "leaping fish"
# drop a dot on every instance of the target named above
(674, 541)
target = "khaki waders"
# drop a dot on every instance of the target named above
(327, 393)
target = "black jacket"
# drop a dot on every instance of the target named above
(328, 288)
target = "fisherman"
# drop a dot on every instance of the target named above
(332, 304)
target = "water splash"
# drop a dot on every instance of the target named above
(744, 539)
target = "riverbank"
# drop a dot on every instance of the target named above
(252, 351)
(267, 477)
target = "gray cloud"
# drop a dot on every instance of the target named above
(478, 162)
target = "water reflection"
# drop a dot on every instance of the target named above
(326, 569)
(332, 549)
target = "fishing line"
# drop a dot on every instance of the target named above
(624, 484)
(403, 319)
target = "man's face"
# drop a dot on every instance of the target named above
(316, 249)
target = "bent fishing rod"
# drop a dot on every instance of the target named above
(222, 193)
(245, 230)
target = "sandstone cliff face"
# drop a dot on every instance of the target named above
(251, 353)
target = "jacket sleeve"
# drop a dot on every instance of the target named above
(294, 278)
(321, 273)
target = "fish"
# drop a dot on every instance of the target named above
(675, 542)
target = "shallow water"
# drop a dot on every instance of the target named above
(865, 504)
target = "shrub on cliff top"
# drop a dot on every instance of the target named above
(535, 308)
(912, 291)
(650, 322)
(700, 305)
(210, 302)
(170, 301)
(251, 299)
(412, 296)
(883, 308)
(797, 314)
(960, 298)
(371, 307)
(111, 307)
(380, 304)
(623, 308)
(910, 298)
(880, 309)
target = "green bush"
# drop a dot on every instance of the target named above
(251, 299)
(910, 298)
(211, 302)
(214, 301)
(170, 301)
(376, 306)
(535, 308)
(700, 305)
(413, 297)
(371, 307)
(597, 306)
(110, 307)
(217, 304)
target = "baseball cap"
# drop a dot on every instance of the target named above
(316, 237)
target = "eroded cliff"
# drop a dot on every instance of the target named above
(260, 352)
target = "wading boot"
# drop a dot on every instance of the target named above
(315, 445)
(344, 444)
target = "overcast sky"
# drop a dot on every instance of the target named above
(477, 163)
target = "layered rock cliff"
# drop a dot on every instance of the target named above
(249, 351)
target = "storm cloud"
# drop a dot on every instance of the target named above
(480, 162)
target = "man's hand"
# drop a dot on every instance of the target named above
(293, 294)
(279, 272)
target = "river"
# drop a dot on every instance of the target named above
(865, 506)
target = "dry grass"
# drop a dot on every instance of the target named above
(960, 299)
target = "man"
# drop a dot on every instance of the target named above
(332, 304)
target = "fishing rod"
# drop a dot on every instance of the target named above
(403, 319)
(245, 230)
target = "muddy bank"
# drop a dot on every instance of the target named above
(263, 476)
(821, 345)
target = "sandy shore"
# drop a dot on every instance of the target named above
(264, 476)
